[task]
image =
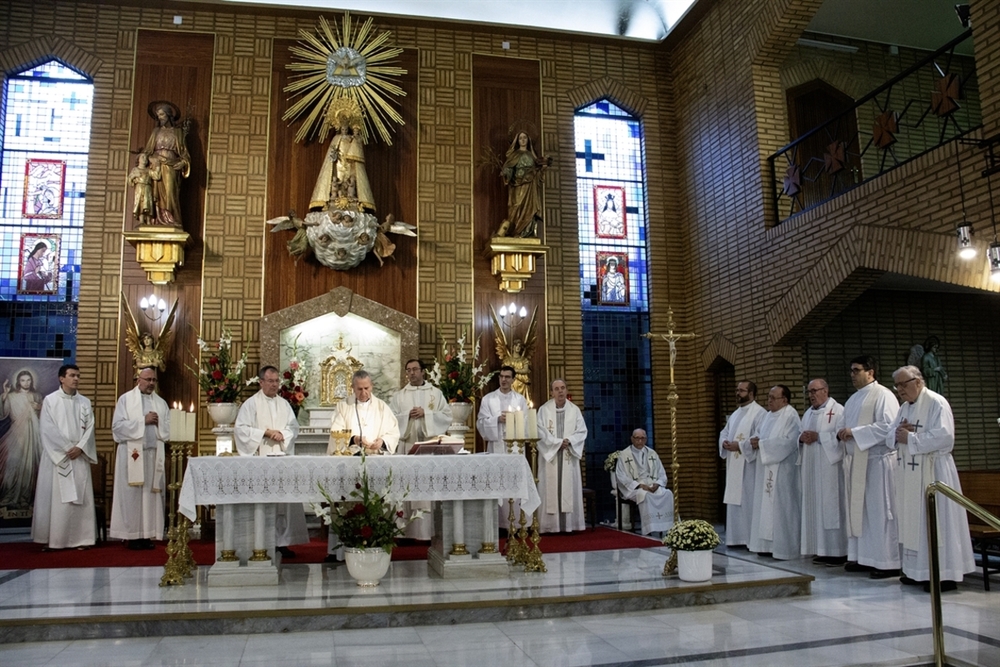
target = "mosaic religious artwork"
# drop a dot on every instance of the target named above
(344, 86)
(609, 212)
(39, 266)
(44, 184)
(25, 383)
(612, 279)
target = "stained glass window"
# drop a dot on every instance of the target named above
(44, 145)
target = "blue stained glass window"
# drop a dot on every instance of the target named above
(44, 147)
(612, 219)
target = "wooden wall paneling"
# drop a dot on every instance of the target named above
(506, 92)
(292, 171)
(176, 67)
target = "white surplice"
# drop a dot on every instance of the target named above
(741, 471)
(137, 510)
(923, 459)
(64, 497)
(560, 483)
(256, 415)
(870, 472)
(491, 407)
(436, 420)
(776, 523)
(642, 466)
(824, 502)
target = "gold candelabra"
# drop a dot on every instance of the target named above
(672, 337)
(525, 546)
(180, 561)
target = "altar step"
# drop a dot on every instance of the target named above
(128, 602)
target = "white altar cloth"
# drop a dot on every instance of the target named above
(226, 480)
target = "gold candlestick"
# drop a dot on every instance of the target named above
(176, 567)
(533, 557)
(514, 547)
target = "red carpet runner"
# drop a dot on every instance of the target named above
(27, 555)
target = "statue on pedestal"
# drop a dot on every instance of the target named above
(168, 162)
(522, 171)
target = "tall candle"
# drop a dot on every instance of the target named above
(532, 423)
(519, 425)
(192, 428)
(176, 424)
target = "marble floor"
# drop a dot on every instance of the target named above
(847, 620)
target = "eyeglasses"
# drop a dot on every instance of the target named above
(855, 371)
(813, 391)
(900, 385)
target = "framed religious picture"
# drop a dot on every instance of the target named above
(44, 184)
(609, 212)
(24, 383)
(612, 278)
(38, 271)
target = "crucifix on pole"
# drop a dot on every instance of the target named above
(672, 337)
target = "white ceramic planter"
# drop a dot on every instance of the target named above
(367, 566)
(694, 565)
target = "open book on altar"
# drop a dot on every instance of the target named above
(443, 444)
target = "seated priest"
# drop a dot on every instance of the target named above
(373, 426)
(562, 434)
(266, 426)
(642, 479)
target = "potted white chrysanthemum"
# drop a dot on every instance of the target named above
(693, 541)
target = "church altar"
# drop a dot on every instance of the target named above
(245, 490)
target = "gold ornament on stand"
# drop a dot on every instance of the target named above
(180, 561)
(516, 352)
(672, 337)
(518, 537)
(148, 351)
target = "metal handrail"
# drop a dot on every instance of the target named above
(932, 538)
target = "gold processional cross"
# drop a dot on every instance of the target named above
(672, 337)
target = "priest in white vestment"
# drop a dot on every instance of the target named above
(924, 434)
(642, 479)
(141, 427)
(821, 456)
(741, 463)
(63, 515)
(266, 426)
(422, 413)
(562, 434)
(870, 474)
(373, 427)
(492, 425)
(776, 526)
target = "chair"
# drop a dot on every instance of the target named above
(99, 480)
(590, 498)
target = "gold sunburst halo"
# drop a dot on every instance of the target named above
(349, 65)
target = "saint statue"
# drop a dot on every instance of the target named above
(930, 365)
(168, 163)
(343, 182)
(522, 174)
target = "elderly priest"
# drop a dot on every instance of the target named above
(562, 434)
(641, 478)
(140, 426)
(266, 426)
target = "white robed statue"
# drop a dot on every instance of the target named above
(642, 479)
(562, 434)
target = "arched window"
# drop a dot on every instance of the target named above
(611, 209)
(44, 146)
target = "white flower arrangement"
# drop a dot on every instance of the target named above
(611, 462)
(692, 535)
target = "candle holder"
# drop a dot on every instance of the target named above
(533, 561)
(518, 550)
(515, 549)
(180, 560)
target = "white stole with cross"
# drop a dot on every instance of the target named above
(856, 466)
(738, 431)
(135, 411)
(916, 470)
(550, 448)
(772, 427)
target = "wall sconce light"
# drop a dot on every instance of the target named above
(964, 15)
(965, 248)
(151, 307)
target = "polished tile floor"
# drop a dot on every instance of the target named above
(848, 620)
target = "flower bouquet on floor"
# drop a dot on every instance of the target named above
(693, 541)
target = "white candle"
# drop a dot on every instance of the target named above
(191, 426)
(532, 423)
(176, 425)
(519, 425)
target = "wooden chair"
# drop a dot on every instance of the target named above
(99, 480)
(983, 488)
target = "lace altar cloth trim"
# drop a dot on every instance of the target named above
(211, 480)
